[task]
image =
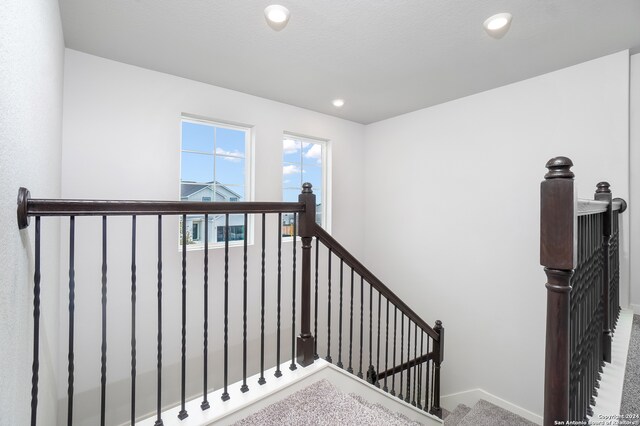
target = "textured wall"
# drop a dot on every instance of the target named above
(31, 68)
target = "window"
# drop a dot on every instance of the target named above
(214, 166)
(304, 160)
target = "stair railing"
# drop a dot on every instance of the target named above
(424, 345)
(579, 248)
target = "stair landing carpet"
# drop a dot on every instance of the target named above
(487, 414)
(323, 404)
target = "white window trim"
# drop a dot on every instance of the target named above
(326, 176)
(249, 174)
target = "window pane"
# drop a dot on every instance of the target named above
(191, 192)
(229, 170)
(230, 193)
(287, 224)
(236, 231)
(197, 137)
(196, 167)
(291, 150)
(313, 175)
(230, 142)
(312, 154)
(290, 195)
(291, 176)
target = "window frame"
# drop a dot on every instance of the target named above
(249, 153)
(325, 202)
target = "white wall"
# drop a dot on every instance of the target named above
(634, 177)
(31, 67)
(122, 141)
(452, 212)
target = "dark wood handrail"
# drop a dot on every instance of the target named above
(28, 207)
(368, 276)
(400, 368)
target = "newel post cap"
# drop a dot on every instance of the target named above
(306, 188)
(559, 168)
(603, 188)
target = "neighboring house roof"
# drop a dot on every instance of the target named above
(189, 189)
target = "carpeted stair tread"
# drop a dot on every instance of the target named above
(485, 413)
(329, 407)
(456, 416)
(376, 406)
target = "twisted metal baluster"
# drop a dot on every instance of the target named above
(395, 324)
(408, 394)
(328, 357)
(205, 403)
(183, 360)
(278, 373)
(158, 421)
(244, 388)
(386, 349)
(401, 351)
(361, 324)
(225, 394)
(419, 400)
(293, 298)
(35, 366)
(72, 307)
(103, 346)
(415, 356)
(377, 383)
(262, 380)
(339, 364)
(371, 373)
(133, 319)
(350, 368)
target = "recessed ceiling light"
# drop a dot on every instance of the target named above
(498, 25)
(338, 103)
(277, 16)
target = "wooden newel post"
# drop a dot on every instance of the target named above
(603, 193)
(306, 223)
(558, 254)
(438, 348)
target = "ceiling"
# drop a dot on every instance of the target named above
(383, 57)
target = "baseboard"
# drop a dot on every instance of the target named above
(635, 308)
(471, 397)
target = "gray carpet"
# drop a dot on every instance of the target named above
(486, 414)
(322, 404)
(456, 416)
(631, 390)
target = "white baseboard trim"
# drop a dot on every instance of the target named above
(635, 308)
(471, 397)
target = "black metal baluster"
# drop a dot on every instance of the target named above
(278, 373)
(401, 351)
(328, 358)
(225, 394)
(133, 319)
(315, 312)
(371, 373)
(419, 399)
(386, 349)
(103, 349)
(72, 308)
(244, 388)
(361, 324)
(377, 383)
(35, 366)
(408, 393)
(395, 324)
(350, 368)
(426, 383)
(204, 405)
(183, 365)
(293, 297)
(159, 337)
(415, 356)
(339, 364)
(262, 380)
